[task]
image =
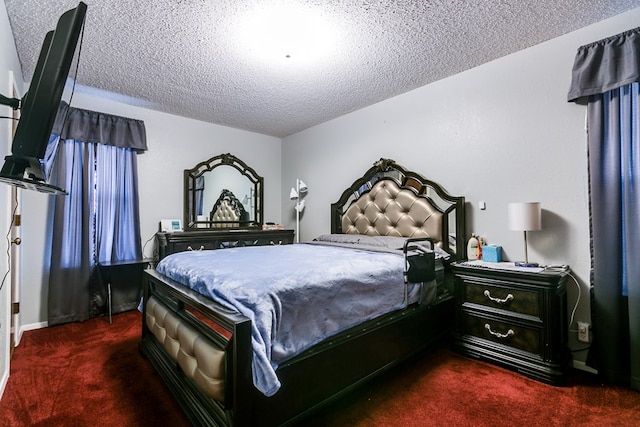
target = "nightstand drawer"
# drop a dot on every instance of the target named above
(521, 301)
(525, 338)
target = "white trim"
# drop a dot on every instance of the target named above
(3, 382)
(5, 292)
(17, 336)
(16, 250)
(32, 326)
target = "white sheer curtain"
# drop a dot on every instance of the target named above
(117, 213)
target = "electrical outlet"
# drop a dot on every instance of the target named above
(583, 332)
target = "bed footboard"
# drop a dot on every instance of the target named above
(198, 358)
(201, 352)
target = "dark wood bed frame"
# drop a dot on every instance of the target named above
(325, 372)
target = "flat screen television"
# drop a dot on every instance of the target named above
(38, 108)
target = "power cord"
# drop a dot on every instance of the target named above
(573, 312)
(75, 73)
(155, 254)
(9, 242)
(565, 268)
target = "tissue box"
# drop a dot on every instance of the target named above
(492, 253)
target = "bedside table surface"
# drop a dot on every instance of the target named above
(508, 268)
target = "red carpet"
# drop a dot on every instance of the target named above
(86, 374)
(445, 389)
(91, 374)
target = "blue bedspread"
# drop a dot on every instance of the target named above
(295, 295)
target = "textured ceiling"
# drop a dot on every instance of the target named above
(191, 57)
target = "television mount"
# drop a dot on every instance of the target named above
(14, 103)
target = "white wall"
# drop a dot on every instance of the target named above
(502, 132)
(174, 144)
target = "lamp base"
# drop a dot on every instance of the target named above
(526, 264)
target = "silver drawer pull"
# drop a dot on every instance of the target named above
(189, 248)
(498, 334)
(498, 300)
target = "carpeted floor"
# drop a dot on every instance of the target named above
(86, 374)
(91, 374)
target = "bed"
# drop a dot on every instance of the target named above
(203, 344)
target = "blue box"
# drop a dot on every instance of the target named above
(492, 253)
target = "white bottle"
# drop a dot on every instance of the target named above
(472, 248)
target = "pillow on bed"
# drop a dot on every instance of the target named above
(339, 238)
(387, 242)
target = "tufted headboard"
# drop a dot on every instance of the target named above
(227, 211)
(391, 201)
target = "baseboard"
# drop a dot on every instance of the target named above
(17, 336)
(29, 327)
(579, 364)
(3, 383)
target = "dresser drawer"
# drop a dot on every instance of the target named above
(265, 241)
(503, 296)
(193, 246)
(522, 337)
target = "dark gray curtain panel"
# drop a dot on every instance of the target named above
(614, 168)
(99, 218)
(605, 76)
(71, 246)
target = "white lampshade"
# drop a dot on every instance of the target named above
(293, 194)
(299, 206)
(525, 216)
(302, 186)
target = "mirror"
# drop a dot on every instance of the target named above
(222, 192)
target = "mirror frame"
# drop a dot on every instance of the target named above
(190, 175)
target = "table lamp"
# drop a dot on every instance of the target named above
(525, 216)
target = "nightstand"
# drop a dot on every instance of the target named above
(123, 283)
(515, 319)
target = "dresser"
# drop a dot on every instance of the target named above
(169, 243)
(514, 319)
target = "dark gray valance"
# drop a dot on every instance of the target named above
(605, 65)
(107, 129)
